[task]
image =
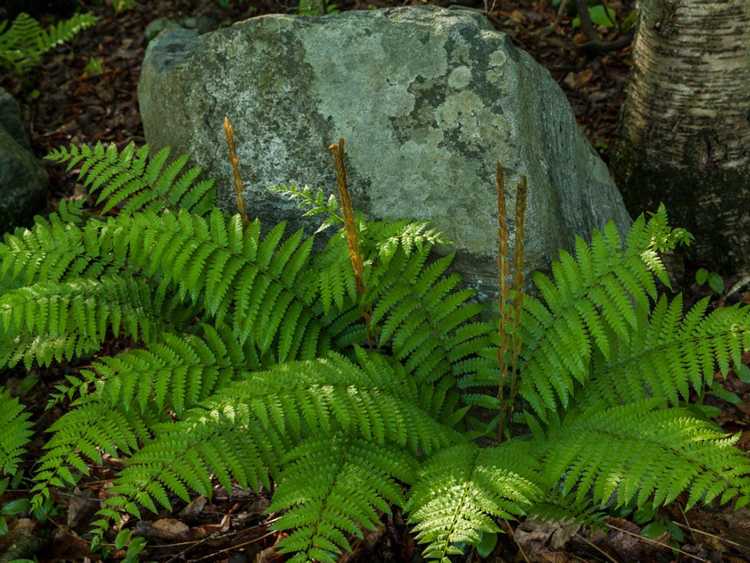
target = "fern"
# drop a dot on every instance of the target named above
(258, 360)
(134, 180)
(23, 42)
(60, 321)
(668, 354)
(463, 489)
(16, 432)
(244, 429)
(353, 482)
(643, 455)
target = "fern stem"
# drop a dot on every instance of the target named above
(234, 161)
(350, 227)
(352, 237)
(518, 281)
(502, 274)
(513, 318)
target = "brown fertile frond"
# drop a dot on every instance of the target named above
(234, 161)
(352, 237)
(502, 273)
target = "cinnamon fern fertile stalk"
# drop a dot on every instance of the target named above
(352, 237)
(234, 161)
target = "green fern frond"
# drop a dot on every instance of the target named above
(55, 251)
(25, 41)
(176, 372)
(49, 321)
(384, 238)
(244, 429)
(463, 489)
(590, 298)
(135, 180)
(430, 326)
(670, 353)
(16, 432)
(643, 455)
(82, 435)
(353, 481)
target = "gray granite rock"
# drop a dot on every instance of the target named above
(427, 99)
(23, 180)
(10, 118)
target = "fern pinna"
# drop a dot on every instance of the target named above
(23, 42)
(246, 356)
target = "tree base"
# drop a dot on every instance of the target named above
(711, 202)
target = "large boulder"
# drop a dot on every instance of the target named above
(23, 180)
(427, 99)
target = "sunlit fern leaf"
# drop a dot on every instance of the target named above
(670, 353)
(23, 43)
(175, 372)
(417, 312)
(81, 436)
(462, 490)
(643, 455)
(243, 431)
(16, 432)
(353, 482)
(590, 300)
(48, 322)
(135, 180)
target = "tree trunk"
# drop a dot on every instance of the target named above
(685, 125)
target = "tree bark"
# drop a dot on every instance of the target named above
(685, 126)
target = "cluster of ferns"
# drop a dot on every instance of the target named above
(23, 42)
(245, 356)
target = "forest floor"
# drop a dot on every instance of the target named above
(64, 103)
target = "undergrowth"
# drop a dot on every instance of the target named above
(358, 379)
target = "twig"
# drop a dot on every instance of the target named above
(213, 555)
(656, 542)
(714, 536)
(596, 547)
(234, 161)
(350, 228)
(513, 535)
(518, 280)
(352, 237)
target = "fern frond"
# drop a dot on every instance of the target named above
(591, 297)
(16, 432)
(352, 483)
(244, 429)
(463, 489)
(25, 41)
(175, 372)
(49, 321)
(135, 180)
(643, 455)
(82, 435)
(669, 354)
(55, 251)
(429, 326)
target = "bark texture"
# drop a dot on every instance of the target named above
(685, 126)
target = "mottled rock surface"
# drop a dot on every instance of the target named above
(23, 180)
(427, 99)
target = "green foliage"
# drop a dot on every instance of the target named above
(316, 8)
(23, 42)
(202, 348)
(135, 180)
(16, 432)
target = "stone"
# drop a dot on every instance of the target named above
(23, 180)
(428, 99)
(10, 119)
